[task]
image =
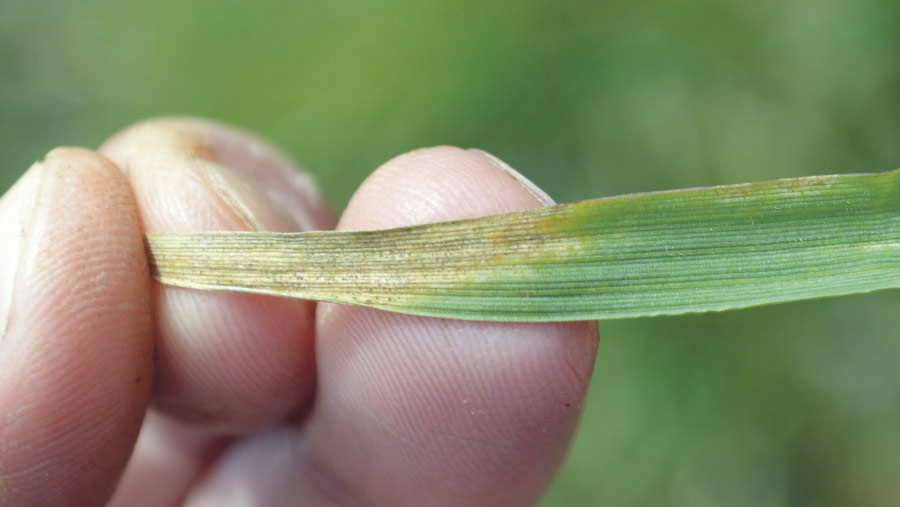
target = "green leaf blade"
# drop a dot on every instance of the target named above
(692, 250)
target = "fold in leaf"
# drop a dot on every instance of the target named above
(691, 250)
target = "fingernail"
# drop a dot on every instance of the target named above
(527, 184)
(15, 206)
(251, 205)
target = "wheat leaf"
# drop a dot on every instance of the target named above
(679, 251)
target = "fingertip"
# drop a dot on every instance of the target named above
(294, 191)
(474, 411)
(434, 184)
(227, 362)
(76, 359)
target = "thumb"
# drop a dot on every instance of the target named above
(76, 349)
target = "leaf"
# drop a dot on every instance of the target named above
(692, 250)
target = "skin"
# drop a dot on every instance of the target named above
(254, 399)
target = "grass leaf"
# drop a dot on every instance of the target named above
(692, 250)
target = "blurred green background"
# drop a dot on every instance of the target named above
(797, 404)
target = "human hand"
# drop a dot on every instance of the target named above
(258, 400)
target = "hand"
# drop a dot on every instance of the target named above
(258, 400)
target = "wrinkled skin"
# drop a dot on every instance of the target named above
(256, 400)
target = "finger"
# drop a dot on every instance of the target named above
(168, 458)
(76, 342)
(468, 412)
(419, 411)
(227, 362)
(269, 468)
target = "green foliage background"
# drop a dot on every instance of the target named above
(793, 404)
